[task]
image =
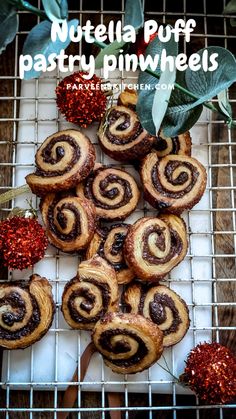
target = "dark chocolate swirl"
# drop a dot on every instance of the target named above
(129, 343)
(114, 192)
(153, 246)
(64, 159)
(121, 135)
(54, 152)
(69, 220)
(23, 317)
(108, 243)
(181, 144)
(88, 296)
(174, 182)
(161, 305)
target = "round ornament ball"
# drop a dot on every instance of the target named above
(81, 101)
(211, 373)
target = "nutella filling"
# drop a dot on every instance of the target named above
(111, 193)
(15, 300)
(62, 221)
(122, 347)
(60, 152)
(175, 247)
(158, 313)
(136, 130)
(180, 180)
(116, 247)
(88, 303)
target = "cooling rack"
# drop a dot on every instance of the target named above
(216, 262)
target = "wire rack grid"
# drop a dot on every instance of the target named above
(213, 28)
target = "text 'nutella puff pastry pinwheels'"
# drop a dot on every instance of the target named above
(129, 343)
(121, 135)
(162, 306)
(154, 246)
(26, 312)
(69, 221)
(64, 159)
(173, 183)
(88, 296)
(181, 144)
(114, 192)
(108, 243)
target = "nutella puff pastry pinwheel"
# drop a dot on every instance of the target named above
(108, 243)
(26, 312)
(153, 246)
(64, 159)
(162, 306)
(114, 192)
(173, 183)
(88, 296)
(69, 220)
(121, 135)
(181, 144)
(129, 343)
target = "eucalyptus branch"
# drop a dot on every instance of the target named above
(12, 193)
(24, 5)
(178, 86)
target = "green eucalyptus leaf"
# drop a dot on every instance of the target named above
(180, 122)
(39, 41)
(230, 8)
(233, 22)
(178, 117)
(134, 13)
(111, 49)
(9, 24)
(224, 104)
(153, 101)
(161, 97)
(207, 84)
(56, 10)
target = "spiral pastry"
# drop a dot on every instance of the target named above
(114, 192)
(88, 296)
(174, 183)
(128, 98)
(69, 220)
(181, 145)
(108, 242)
(129, 343)
(153, 246)
(121, 135)
(163, 307)
(26, 312)
(64, 159)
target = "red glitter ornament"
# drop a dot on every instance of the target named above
(211, 373)
(81, 101)
(22, 242)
